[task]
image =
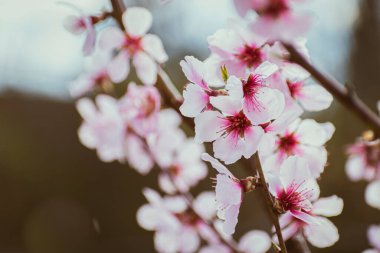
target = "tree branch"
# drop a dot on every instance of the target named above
(346, 96)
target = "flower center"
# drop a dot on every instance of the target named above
(294, 88)
(275, 8)
(237, 124)
(132, 44)
(188, 218)
(252, 85)
(288, 143)
(174, 169)
(251, 56)
(294, 198)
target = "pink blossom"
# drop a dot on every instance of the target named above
(238, 49)
(372, 194)
(294, 188)
(229, 195)
(373, 234)
(304, 138)
(322, 234)
(277, 19)
(178, 228)
(197, 94)
(145, 50)
(364, 160)
(233, 133)
(103, 129)
(293, 83)
(261, 104)
(83, 24)
(140, 106)
(186, 168)
(94, 77)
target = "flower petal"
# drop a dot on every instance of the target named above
(137, 21)
(323, 234)
(330, 206)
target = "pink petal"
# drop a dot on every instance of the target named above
(146, 68)
(374, 236)
(330, 206)
(229, 148)
(252, 138)
(231, 220)
(72, 24)
(118, 68)
(204, 204)
(111, 38)
(255, 241)
(153, 46)
(307, 218)
(217, 165)
(147, 217)
(234, 87)
(195, 101)
(321, 235)
(89, 43)
(311, 133)
(228, 190)
(266, 69)
(207, 126)
(137, 21)
(355, 167)
(226, 104)
(372, 194)
(138, 156)
(315, 98)
(194, 71)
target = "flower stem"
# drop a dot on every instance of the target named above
(345, 95)
(269, 201)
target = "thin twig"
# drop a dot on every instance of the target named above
(346, 96)
(269, 201)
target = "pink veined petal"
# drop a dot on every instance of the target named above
(228, 190)
(330, 206)
(311, 133)
(266, 69)
(355, 167)
(252, 138)
(372, 194)
(229, 148)
(90, 40)
(146, 68)
(307, 218)
(374, 236)
(118, 68)
(234, 87)
(195, 100)
(315, 98)
(321, 235)
(111, 38)
(207, 126)
(226, 104)
(194, 71)
(255, 241)
(153, 46)
(217, 165)
(137, 21)
(231, 220)
(270, 105)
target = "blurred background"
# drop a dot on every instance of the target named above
(57, 197)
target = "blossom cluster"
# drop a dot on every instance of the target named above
(247, 99)
(363, 163)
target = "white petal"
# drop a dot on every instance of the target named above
(153, 46)
(372, 194)
(312, 133)
(118, 68)
(234, 87)
(228, 105)
(322, 235)
(266, 69)
(194, 70)
(255, 241)
(374, 236)
(195, 100)
(217, 165)
(315, 98)
(207, 126)
(204, 204)
(137, 21)
(86, 108)
(111, 38)
(229, 149)
(147, 217)
(231, 220)
(228, 190)
(146, 68)
(355, 167)
(330, 206)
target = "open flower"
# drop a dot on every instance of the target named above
(261, 104)
(83, 24)
(197, 93)
(178, 228)
(304, 138)
(294, 189)
(103, 128)
(229, 194)
(374, 239)
(185, 170)
(145, 50)
(322, 234)
(239, 50)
